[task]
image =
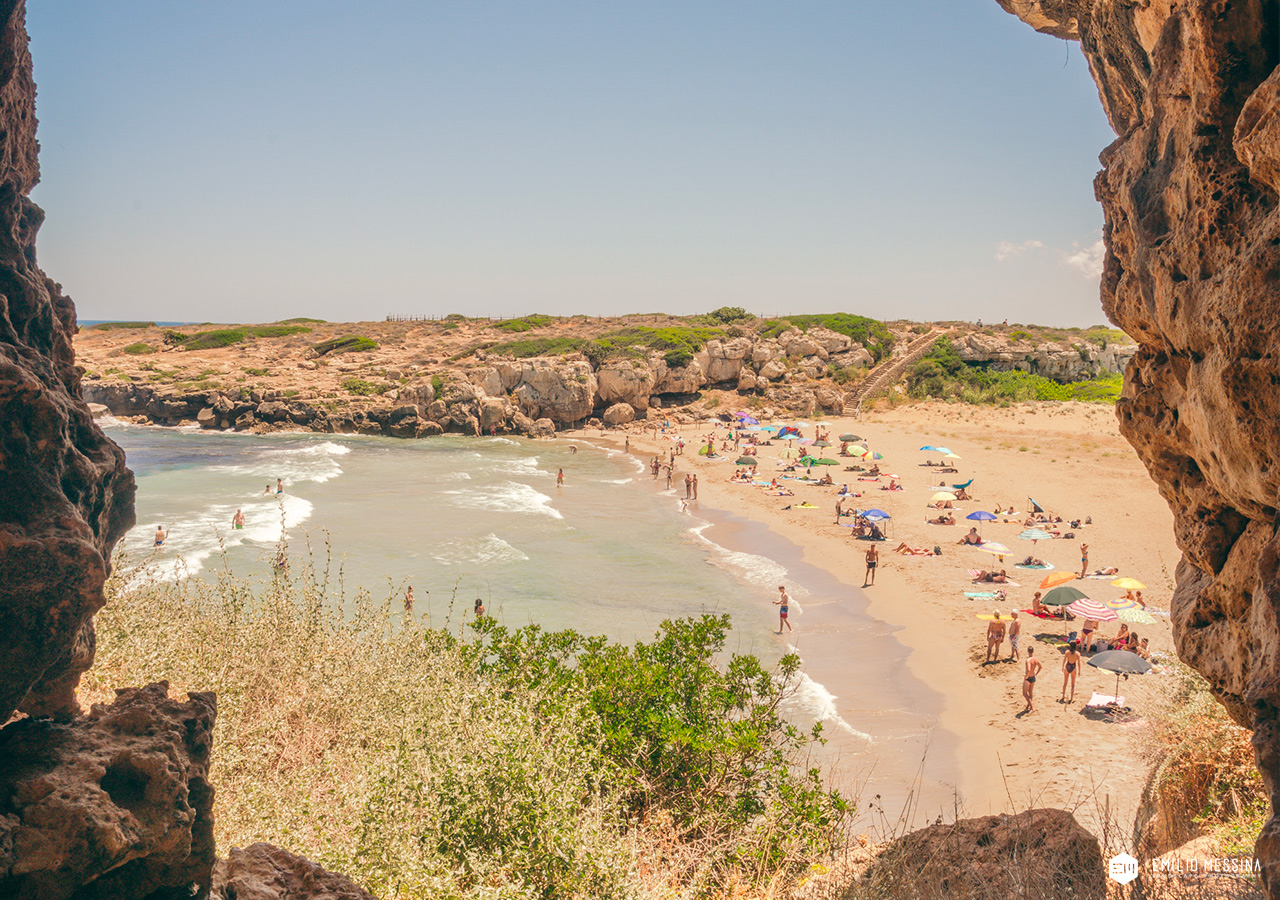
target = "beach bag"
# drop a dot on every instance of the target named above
(937, 551)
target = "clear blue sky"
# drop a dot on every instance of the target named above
(240, 161)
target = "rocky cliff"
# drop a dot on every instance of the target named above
(1190, 190)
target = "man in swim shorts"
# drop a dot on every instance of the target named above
(161, 534)
(237, 521)
(784, 604)
(1029, 679)
(873, 559)
(1015, 632)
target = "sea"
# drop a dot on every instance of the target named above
(609, 551)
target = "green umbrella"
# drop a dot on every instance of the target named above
(825, 462)
(849, 437)
(1063, 596)
(807, 460)
(822, 443)
(745, 461)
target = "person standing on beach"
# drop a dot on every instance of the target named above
(1029, 679)
(995, 637)
(873, 559)
(784, 605)
(839, 509)
(626, 448)
(1070, 668)
(1084, 560)
(688, 487)
(695, 487)
(1015, 632)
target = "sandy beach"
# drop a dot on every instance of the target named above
(980, 756)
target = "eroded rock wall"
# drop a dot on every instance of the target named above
(65, 495)
(1190, 191)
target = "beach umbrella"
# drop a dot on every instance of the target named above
(746, 461)
(1057, 578)
(822, 443)
(1119, 603)
(1035, 535)
(1135, 616)
(981, 516)
(1129, 584)
(789, 453)
(849, 436)
(1122, 662)
(993, 547)
(929, 448)
(876, 514)
(807, 460)
(1092, 609)
(869, 454)
(803, 425)
(950, 456)
(943, 449)
(825, 462)
(941, 495)
(748, 420)
(1063, 596)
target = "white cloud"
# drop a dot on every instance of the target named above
(1088, 259)
(1006, 250)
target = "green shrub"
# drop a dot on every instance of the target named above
(526, 323)
(274, 331)
(173, 338)
(139, 349)
(505, 765)
(360, 387)
(303, 319)
(728, 314)
(550, 346)
(437, 384)
(871, 333)
(346, 344)
(212, 340)
(1019, 336)
(114, 326)
(677, 358)
(257, 372)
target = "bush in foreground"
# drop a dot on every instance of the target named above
(506, 764)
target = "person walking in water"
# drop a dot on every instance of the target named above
(161, 534)
(1029, 680)
(237, 521)
(688, 487)
(627, 446)
(695, 487)
(560, 478)
(279, 486)
(784, 606)
(873, 560)
(408, 600)
(479, 608)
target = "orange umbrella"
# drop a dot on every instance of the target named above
(1056, 578)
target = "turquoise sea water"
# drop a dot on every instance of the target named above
(610, 552)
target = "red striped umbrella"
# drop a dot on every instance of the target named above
(1092, 609)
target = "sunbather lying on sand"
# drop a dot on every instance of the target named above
(912, 551)
(991, 577)
(1032, 561)
(1107, 570)
(943, 520)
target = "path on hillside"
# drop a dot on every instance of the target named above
(888, 373)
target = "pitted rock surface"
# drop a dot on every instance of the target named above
(116, 804)
(65, 495)
(264, 872)
(1192, 272)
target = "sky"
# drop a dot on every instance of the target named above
(237, 161)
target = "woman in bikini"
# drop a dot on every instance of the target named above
(1070, 667)
(1087, 629)
(1029, 679)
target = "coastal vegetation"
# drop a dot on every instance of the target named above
(472, 760)
(524, 323)
(348, 343)
(871, 333)
(362, 388)
(120, 326)
(225, 337)
(677, 344)
(943, 375)
(139, 349)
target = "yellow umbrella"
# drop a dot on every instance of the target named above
(941, 495)
(1129, 584)
(1136, 617)
(789, 453)
(1055, 579)
(951, 456)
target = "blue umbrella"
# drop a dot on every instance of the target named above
(981, 516)
(930, 449)
(748, 420)
(877, 514)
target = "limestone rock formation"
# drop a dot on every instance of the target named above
(116, 804)
(1061, 362)
(1192, 272)
(564, 392)
(1037, 853)
(619, 414)
(65, 495)
(264, 872)
(625, 381)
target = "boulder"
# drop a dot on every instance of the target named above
(564, 392)
(419, 393)
(1037, 853)
(682, 380)
(747, 380)
(407, 427)
(303, 414)
(625, 381)
(437, 410)
(272, 411)
(764, 351)
(428, 429)
(245, 421)
(830, 341)
(619, 414)
(263, 872)
(207, 418)
(856, 356)
(772, 370)
(829, 399)
(116, 804)
(494, 413)
(544, 428)
(489, 380)
(725, 359)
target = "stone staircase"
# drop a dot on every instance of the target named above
(888, 373)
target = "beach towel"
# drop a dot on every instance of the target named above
(1021, 566)
(804, 506)
(981, 595)
(1101, 701)
(1040, 615)
(1097, 577)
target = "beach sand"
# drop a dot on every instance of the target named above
(974, 753)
